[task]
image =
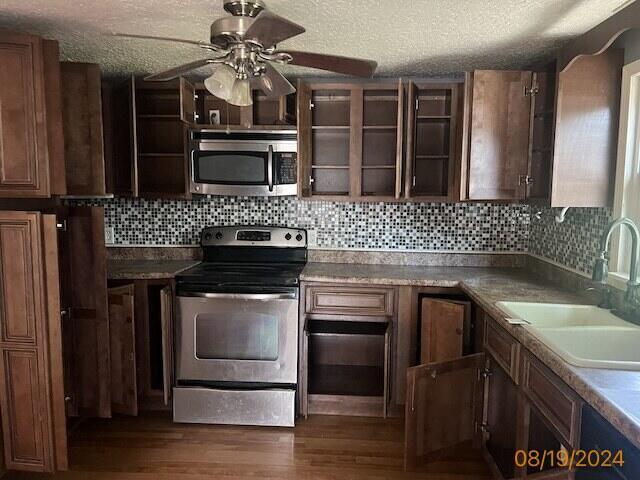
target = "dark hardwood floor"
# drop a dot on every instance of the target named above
(322, 447)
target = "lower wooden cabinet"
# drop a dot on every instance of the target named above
(500, 419)
(346, 349)
(501, 399)
(31, 396)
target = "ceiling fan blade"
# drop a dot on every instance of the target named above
(177, 71)
(206, 45)
(333, 63)
(269, 29)
(273, 83)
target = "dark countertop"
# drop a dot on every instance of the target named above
(615, 394)
(146, 269)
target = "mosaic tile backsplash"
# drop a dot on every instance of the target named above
(479, 227)
(573, 243)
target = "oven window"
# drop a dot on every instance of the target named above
(237, 336)
(231, 168)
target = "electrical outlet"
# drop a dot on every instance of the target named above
(109, 236)
(312, 238)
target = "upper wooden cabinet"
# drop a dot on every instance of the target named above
(82, 116)
(31, 152)
(147, 133)
(432, 145)
(586, 131)
(350, 140)
(543, 137)
(499, 135)
(266, 112)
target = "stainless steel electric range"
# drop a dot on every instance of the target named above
(237, 328)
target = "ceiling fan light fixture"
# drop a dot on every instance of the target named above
(221, 82)
(241, 93)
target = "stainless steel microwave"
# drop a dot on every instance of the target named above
(245, 163)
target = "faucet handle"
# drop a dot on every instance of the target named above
(606, 295)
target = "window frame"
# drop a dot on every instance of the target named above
(627, 182)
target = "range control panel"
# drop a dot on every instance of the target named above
(254, 236)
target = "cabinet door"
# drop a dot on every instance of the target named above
(166, 323)
(83, 133)
(187, 102)
(304, 139)
(586, 131)
(30, 358)
(499, 142)
(85, 298)
(442, 330)
(122, 339)
(24, 164)
(443, 407)
(500, 422)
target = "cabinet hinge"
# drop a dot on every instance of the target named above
(525, 180)
(413, 181)
(417, 104)
(486, 373)
(61, 225)
(531, 91)
(311, 105)
(311, 180)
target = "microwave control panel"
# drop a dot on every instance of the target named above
(287, 172)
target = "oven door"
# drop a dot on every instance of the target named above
(228, 338)
(232, 168)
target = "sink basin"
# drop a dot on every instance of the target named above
(547, 315)
(583, 335)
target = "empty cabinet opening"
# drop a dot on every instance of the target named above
(156, 370)
(452, 329)
(210, 107)
(158, 103)
(330, 140)
(380, 108)
(331, 108)
(434, 103)
(348, 360)
(541, 439)
(266, 110)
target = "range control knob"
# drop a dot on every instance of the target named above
(218, 235)
(299, 237)
(207, 236)
(287, 236)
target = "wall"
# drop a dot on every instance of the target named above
(573, 243)
(478, 227)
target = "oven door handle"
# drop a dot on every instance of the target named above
(270, 168)
(243, 296)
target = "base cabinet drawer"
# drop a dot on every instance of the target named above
(342, 300)
(559, 405)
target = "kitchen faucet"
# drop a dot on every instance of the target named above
(601, 267)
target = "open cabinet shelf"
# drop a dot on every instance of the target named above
(357, 127)
(348, 364)
(431, 140)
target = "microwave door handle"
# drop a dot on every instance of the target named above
(270, 168)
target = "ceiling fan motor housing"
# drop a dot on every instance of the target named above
(244, 8)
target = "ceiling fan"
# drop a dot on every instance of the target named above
(243, 48)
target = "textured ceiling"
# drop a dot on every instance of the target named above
(406, 37)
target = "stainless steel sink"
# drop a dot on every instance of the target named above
(583, 335)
